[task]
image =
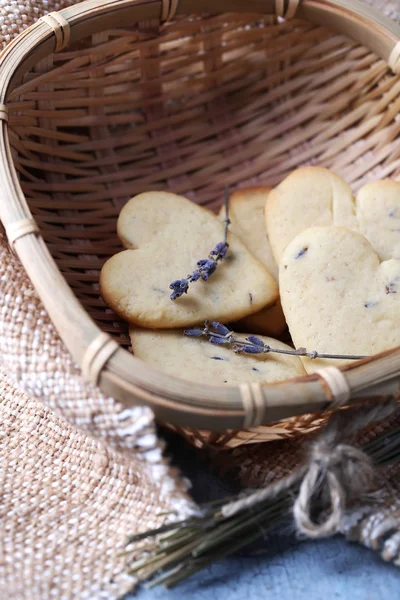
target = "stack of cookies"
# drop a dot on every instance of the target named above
(306, 254)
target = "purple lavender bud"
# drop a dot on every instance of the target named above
(176, 294)
(195, 276)
(207, 264)
(301, 351)
(207, 267)
(255, 340)
(179, 284)
(203, 262)
(253, 349)
(205, 275)
(193, 332)
(220, 328)
(217, 340)
(220, 250)
(180, 287)
(313, 354)
(302, 252)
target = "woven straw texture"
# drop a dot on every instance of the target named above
(243, 101)
(70, 495)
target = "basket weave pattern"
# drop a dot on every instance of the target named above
(196, 105)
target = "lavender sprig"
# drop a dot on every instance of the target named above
(220, 334)
(207, 266)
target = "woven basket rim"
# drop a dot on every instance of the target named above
(117, 372)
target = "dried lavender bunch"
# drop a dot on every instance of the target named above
(181, 549)
(207, 266)
(221, 335)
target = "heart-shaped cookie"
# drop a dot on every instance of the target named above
(195, 359)
(308, 197)
(167, 235)
(246, 213)
(338, 298)
(314, 196)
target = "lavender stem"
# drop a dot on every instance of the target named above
(207, 266)
(257, 346)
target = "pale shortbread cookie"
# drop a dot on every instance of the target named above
(172, 234)
(314, 196)
(146, 216)
(246, 213)
(337, 296)
(308, 197)
(378, 215)
(197, 360)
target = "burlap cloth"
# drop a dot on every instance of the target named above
(78, 471)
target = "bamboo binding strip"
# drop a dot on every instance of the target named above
(168, 10)
(3, 113)
(97, 355)
(290, 11)
(394, 59)
(60, 27)
(19, 229)
(253, 404)
(85, 143)
(338, 386)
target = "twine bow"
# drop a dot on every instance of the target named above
(334, 477)
(336, 474)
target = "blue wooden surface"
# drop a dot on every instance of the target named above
(282, 567)
(291, 570)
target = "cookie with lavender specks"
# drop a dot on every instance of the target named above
(338, 298)
(314, 196)
(308, 197)
(378, 216)
(197, 360)
(166, 235)
(246, 213)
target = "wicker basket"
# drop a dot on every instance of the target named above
(110, 98)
